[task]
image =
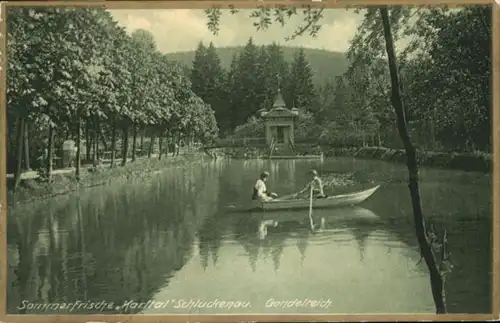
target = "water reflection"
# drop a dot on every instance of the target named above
(111, 243)
(275, 254)
(209, 241)
(359, 222)
(172, 238)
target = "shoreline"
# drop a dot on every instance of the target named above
(32, 190)
(468, 162)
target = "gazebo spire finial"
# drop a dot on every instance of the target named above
(279, 102)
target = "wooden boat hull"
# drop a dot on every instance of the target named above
(329, 202)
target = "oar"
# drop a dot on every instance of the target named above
(311, 209)
(286, 197)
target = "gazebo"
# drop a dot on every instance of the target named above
(279, 122)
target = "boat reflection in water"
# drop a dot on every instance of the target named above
(358, 221)
(254, 257)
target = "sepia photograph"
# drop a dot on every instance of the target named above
(272, 160)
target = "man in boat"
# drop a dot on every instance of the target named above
(260, 189)
(316, 184)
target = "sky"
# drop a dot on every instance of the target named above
(177, 30)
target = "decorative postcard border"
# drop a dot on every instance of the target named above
(495, 315)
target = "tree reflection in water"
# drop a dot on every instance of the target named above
(275, 227)
(266, 234)
(108, 243)
(129, 241)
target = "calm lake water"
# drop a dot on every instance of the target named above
(181, 244)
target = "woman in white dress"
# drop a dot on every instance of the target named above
(260, 189)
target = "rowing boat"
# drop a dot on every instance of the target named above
(328, 202)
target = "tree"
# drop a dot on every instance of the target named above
(231, 95)
(198, 71)
(208, 81)
(275, 72)
(464, 121)
(63, 73)
(300, 92)
(20, 91)
(247, 84)
(326, 101)
(254, 126)
(437, 283)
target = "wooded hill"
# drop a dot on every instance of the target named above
(324, 64)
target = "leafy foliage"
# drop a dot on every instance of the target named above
(445, 68)
(209, 81)
(73, 65)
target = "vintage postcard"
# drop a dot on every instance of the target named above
(255, 161)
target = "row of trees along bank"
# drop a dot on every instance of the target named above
(445, 85)
(75, 74)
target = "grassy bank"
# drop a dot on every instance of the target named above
(477, 161)
(35, 189)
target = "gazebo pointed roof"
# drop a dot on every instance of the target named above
(279, 109)
(279, 102)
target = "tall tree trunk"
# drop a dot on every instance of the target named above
(167, 148)
(178, 144)
(433, 129)
(160, 146)
(50, 153)
(437, 281)
(26, 147)
(134, 141)
(142, 141)
(78, 148)
(88, 143)
(174, 144)
(125, 145)
(95, 141)
(113, 142)
(97, 135)
(90, 147)
(19, 154)
(105, 146)
(151, 145)
(101, 135)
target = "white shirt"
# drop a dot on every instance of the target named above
(317, 185)
(261, 189)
